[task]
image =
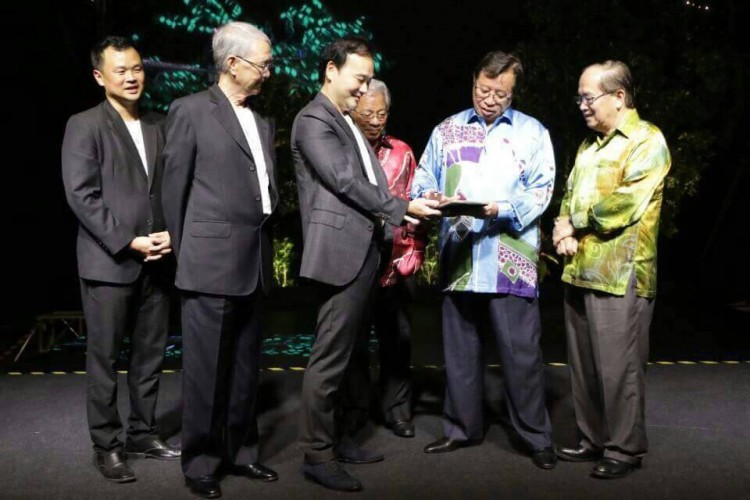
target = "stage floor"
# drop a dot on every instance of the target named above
(697, 415)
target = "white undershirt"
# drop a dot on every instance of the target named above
(363, 151)
(250, 129)
(134, 127)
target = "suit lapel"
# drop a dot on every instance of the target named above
(264, 132)
(228, 119)
(341, 122)
(120, 132)
(149, 139)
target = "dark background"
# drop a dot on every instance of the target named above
(431, 48)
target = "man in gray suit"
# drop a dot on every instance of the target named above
(219, 193)
(111, 169)
(347, 216)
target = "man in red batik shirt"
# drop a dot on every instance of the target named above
(390, 315)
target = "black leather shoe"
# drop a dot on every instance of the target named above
(254, 471)
(444, 445)
(580, 454)
(331, 475)
(402, 428)
(544, 458)
(204, 486)
(351, 454)
(152, 447)
(609, 468)
(114, 466)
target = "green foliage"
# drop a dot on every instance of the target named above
(428, 273)
(309, 28)
(203, 16)
(282, 259)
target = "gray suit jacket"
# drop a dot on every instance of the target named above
(212, 201)
(109, 191)
(340, 209)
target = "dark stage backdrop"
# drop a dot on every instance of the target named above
(431, 52)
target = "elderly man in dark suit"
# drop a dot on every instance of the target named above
(219, 193)
(347, 214)
(111, 170)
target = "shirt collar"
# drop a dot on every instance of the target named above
(383, 142)
(507, 116)
(627, 125)
(628, 122)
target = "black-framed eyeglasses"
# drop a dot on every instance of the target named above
(260, 67)
(589, 100)
(380, 115)
(497, 96)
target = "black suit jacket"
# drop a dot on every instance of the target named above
(339, 206)
(109, 191)
(212, 202)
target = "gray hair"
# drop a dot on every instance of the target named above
(616, 75)
(379, 87)
(235, 38)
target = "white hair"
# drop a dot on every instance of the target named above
(379, 87)
(235, 38)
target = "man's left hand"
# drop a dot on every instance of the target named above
(490, 210)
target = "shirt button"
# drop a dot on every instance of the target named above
(148, 222)
(257, 198)
(369, 228)
(252, 169)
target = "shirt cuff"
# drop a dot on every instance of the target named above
(580, 220)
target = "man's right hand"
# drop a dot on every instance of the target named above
(567, 246)
(423, 208)
(150, 248)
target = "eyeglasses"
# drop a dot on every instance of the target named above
(497, 96)
(260, 67)
(589, 100)
(380, 115)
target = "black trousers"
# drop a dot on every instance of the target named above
(112, 311)
(221, 338)
(390, 318)
(339, 328)
(515, 323)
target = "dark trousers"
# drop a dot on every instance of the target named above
(607, 355)
(140, 309)
(221, 338)
(392, 327)
(515, 323)
(390, 317)
(339, 328)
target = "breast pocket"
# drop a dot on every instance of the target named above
(608, 176)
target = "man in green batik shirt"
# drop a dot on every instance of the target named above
(607, 231)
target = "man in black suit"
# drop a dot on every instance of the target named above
(112, 169)
(219, 192)
(347, 215)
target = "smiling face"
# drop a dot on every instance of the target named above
(492, 96)
(603, 113)
(347, 84)
(121, 74)
(371, 115)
